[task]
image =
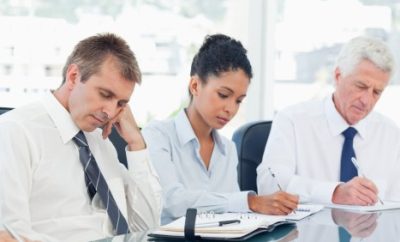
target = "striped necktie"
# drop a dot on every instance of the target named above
(96, 183)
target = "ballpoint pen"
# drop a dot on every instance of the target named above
(217, 223)
(355, 162)
(277, 183)
(274, 177)
(13, 233)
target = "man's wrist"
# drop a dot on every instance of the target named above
(251, 200)
(135, 146)
(136, 141)
(335, 193)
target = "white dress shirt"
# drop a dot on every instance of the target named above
(186, 181)
(43, 191)
(305, 145)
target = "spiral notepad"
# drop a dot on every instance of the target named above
(249, 222)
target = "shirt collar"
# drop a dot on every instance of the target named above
(336, 122)
(61, 117)
(186, 133)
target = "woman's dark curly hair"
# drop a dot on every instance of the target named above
(219, 53)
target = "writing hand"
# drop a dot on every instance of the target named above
(278, 203)
(357, 191)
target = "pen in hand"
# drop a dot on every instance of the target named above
(13, 233)
(355, 162)
(274, 177)
(277, 183)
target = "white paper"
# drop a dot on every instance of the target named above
(377, 207)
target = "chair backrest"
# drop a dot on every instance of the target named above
(114, 137)
(250, 140)
(4, 109)
(119, 144)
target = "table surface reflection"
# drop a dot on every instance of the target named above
(328, 225)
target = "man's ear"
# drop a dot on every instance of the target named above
(72, 76)
(338, 76)
(194, 85)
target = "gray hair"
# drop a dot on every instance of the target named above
(365, 48)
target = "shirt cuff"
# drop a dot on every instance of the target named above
(323, 192)
(238, 202)
(138, 161)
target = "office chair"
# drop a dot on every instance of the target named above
(4, 109)
(250, 140)
(118, 142)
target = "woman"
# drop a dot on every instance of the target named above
(197, 166)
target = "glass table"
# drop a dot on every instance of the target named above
(328, 225)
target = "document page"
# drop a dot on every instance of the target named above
(377, 207)
(303, 210)
(248, 222)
